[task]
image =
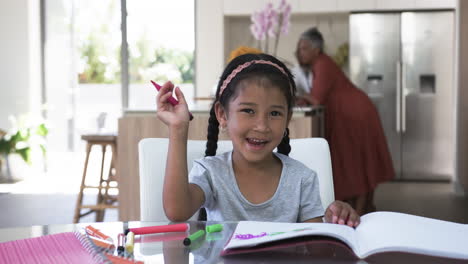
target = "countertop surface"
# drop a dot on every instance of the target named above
(205, 109)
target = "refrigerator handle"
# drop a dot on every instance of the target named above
(403, 97)
(398, 96)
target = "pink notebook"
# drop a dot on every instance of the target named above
(71, 247)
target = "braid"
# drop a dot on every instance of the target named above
(212, 135)
(284, 147)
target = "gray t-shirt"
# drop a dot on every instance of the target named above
(296, 199)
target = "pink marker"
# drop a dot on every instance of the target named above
(171, 99)
(158, 229)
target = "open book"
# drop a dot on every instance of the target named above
(378, 232)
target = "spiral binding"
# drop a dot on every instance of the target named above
(102, 255)
(94, 250)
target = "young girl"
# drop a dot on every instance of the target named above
(253, 105)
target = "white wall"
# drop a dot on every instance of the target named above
(461, 84)
(209, 34)
(20, 58)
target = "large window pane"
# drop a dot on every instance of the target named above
(98, 41)
(83, 60)
(58, 78)
(82, 69)
(161, 43)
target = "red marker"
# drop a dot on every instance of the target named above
(158, 229)
(97, 233)
(171, 99)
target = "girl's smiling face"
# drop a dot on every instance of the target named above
(256, 120)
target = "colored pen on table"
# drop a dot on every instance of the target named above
(121, 244)
(188, 240)
(129, 242)
(159, 229)
(171, 99)
(97, 233)
(214, 228)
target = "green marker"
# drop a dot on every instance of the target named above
(188, 240)
(214, 228)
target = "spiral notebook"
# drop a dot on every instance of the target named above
(70, 247)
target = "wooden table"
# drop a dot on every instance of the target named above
(136, 125)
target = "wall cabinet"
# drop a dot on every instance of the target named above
(350, 6)
(316, 6)
(394, 5)
(435, 4)
(247, 7)
(414, 4)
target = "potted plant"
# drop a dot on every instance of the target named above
(23, 140)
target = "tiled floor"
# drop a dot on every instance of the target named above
(434, 200)
(50, 198)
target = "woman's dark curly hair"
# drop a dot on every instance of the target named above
(256, 71)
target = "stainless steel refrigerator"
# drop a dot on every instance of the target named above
(405, 63)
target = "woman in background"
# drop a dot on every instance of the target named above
(359, 151)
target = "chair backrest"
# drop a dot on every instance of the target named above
(313, 152)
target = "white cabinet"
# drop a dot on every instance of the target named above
(355, 5)
(316, 6)
(247, 7)
(242, 7)
(394, 4)
(414, 4)
(435, 4)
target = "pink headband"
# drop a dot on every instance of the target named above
(242, 67)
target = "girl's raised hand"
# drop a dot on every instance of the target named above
(172, 115)
(341, 213)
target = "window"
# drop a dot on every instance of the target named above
(161, 45)
(85, 81)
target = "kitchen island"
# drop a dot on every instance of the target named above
(136, 125)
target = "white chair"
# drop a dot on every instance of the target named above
(313, 152)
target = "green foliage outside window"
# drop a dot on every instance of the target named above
(101, 65)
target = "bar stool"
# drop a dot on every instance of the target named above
(104, 198)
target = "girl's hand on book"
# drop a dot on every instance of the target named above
(172, 115)
(341, 213)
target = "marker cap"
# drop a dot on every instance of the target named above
(188, 240)
(129, 242)
(214, 228)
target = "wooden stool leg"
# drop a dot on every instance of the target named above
(113, 161)
(100, 196)
(79, 200)
(109, 177)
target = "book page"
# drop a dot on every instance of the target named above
(252, 233)
(389, 231)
